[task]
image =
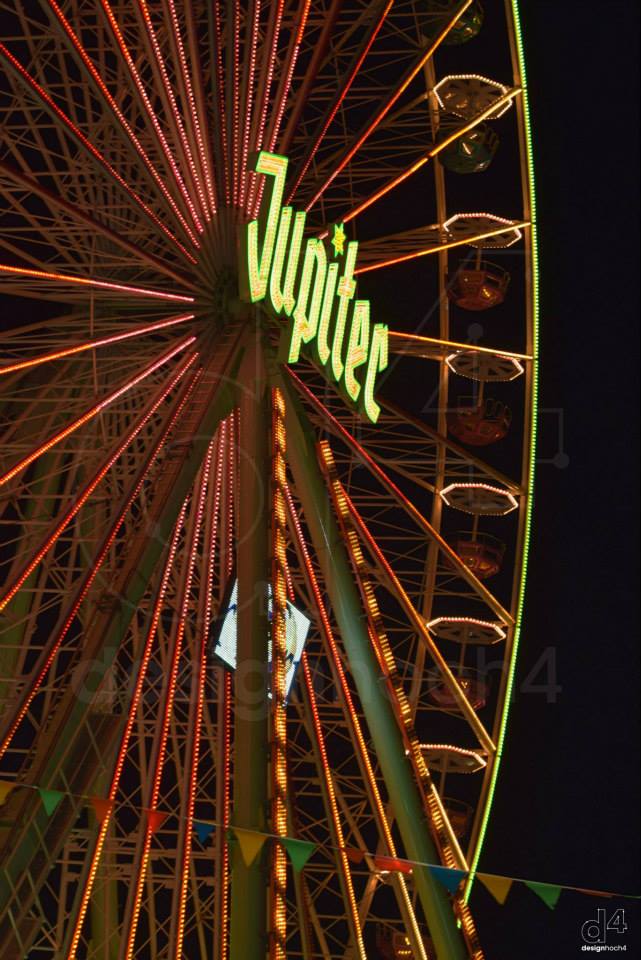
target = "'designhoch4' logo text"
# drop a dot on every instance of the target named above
(599, 935)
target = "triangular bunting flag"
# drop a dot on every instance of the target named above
(102, 807)
(6, 786)
(203, 830)
(354, 855)
(155, 819)
(250, 842)
(450, 878)
(499, 887)
(299, 851)
(392, 863)
(594, 893)
(548, 892)
(50, 799)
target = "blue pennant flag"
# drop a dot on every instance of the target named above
(203, 830)
(450, 878)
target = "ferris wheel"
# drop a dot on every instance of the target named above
(267, 400)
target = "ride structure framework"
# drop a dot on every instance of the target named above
(169, 441)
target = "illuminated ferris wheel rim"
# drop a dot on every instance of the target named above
(207, 208)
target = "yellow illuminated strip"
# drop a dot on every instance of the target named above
(447, 843)
(277, 946)
(352, 716)
(444, 836)
(454, 345)
(333, 805)
(529, 500)
(470, 241)
(461, 131)
(418, 66)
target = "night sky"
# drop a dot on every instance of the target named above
(567, 803)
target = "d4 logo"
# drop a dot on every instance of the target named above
(596, 931)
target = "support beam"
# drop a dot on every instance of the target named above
(249, 883)
(396, 768)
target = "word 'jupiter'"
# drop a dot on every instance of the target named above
(312, 294)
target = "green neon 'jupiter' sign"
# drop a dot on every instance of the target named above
(312, 294)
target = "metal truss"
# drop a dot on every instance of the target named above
(155, 450)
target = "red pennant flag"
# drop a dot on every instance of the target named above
(155, 819)
(392, 863)
(354, 855)
(102, 807)
(592, 893)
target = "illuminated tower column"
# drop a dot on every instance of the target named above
(249, 883)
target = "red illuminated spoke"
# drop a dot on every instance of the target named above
(92, 344)
(96, 853)
(265, 84)
(175, 117)
(80, 501)
(93, 411)
(339, 166)
(16, 714)
(158, 130)
(56, 201)
(220, 92)
(162, 729)
(197, 704)
(333, 110)
(253, 19)
(73, 131)
(432, 248)
(102, 87)
(193, 93)
(96, 284)
(285, 85)
(235, 97)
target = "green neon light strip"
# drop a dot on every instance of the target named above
(530, 499)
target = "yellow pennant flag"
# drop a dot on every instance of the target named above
(499, 887)
(250, 843)
(6, 786)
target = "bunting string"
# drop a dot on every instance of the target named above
(251, 842)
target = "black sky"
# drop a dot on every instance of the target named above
(568, 797)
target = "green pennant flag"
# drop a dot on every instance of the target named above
(50, 799)
(548, 892)
(299, 851)
(6, 786)
(448, 876)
